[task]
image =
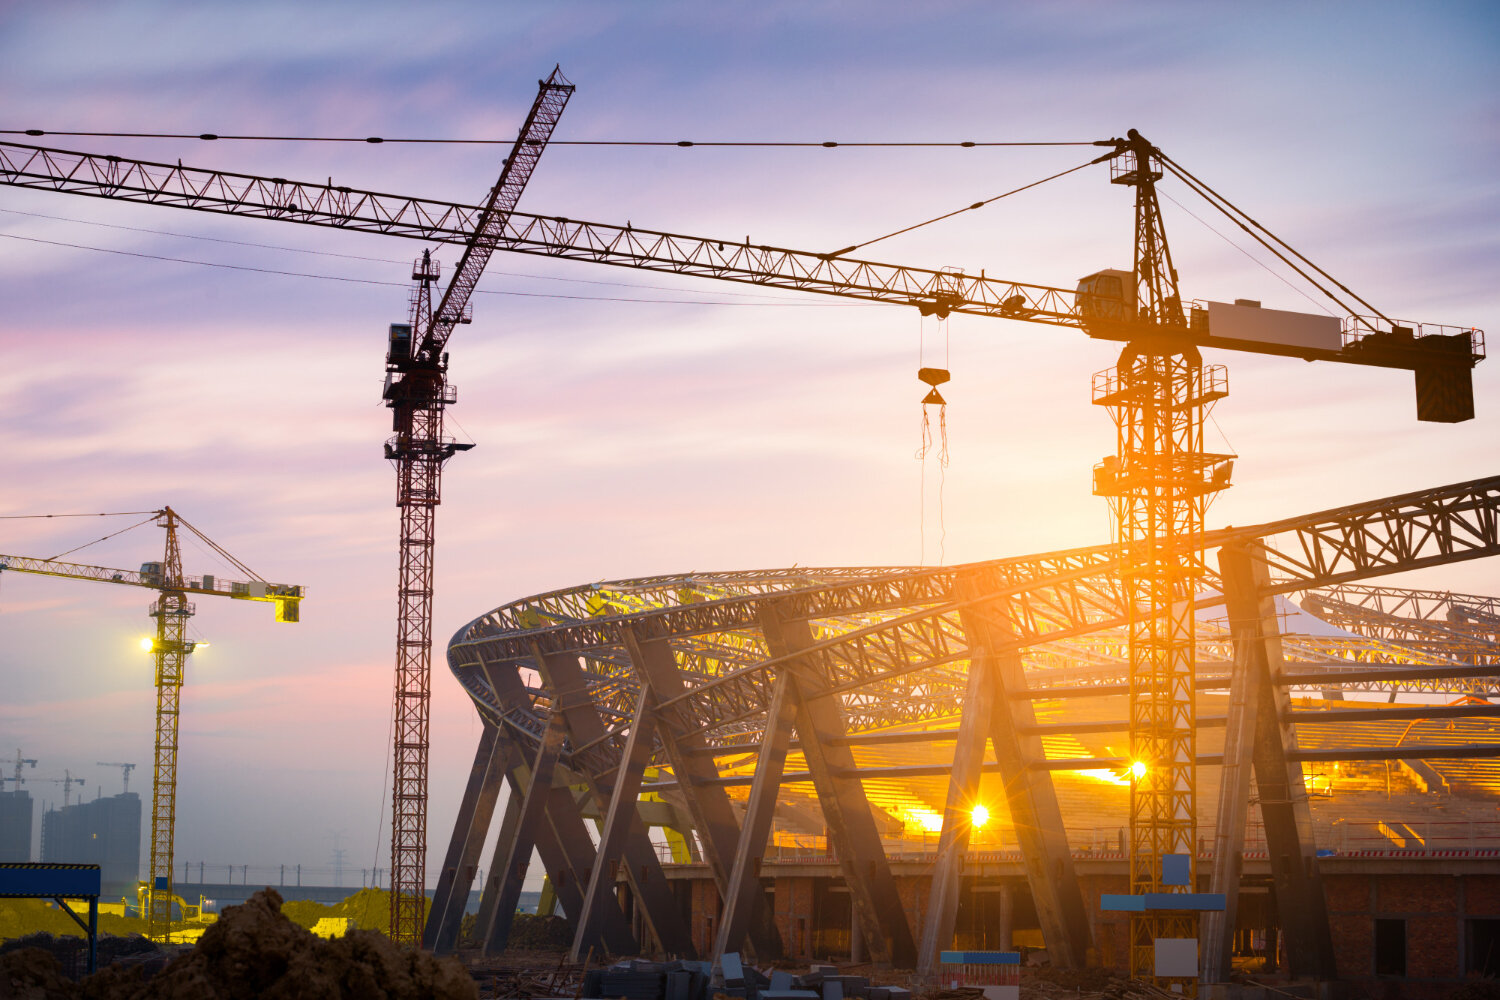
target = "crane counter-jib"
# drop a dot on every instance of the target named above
(287, 597)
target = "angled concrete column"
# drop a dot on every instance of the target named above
(953, 842)
(708, 805)
(465, 846)
(499, 908)
(743, 894)
(1300, 901)
(563, 842)
(564, 676)
(622, 805)
(1029, 793)
(516, 776)
(571, 874)
(851, 821)
(1242, 608)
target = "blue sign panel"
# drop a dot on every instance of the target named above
(49, 880)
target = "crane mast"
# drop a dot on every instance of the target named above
(417, 392)
(1159, 394)
(170, 649)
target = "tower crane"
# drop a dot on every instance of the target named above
(68, 781)
(170, 648)
(125, 770)
(1158, 393)
(417, 392)
(20, 762)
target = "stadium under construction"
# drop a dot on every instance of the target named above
(812, 745)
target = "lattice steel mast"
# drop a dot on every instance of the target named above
(417, 391)
(170, 648)
(1159, 393)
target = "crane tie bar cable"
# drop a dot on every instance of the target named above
(106, 538)
(375, 140)
(966, 208)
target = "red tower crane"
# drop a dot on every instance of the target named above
(1158, 393)
(417, 392)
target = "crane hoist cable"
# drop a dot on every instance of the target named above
(933, 377)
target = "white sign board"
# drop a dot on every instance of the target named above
(1274, 326)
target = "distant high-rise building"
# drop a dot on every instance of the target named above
(104, 832)
(15, 826)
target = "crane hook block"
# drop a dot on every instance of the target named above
(933, 376)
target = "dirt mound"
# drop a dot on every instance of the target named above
(33, 974)
(254, 951)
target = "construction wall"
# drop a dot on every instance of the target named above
(1426, 931)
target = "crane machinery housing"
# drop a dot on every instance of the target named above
(170, 649)
(1159, 394)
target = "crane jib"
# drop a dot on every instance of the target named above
(940, 292)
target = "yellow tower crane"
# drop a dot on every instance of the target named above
(171, 648)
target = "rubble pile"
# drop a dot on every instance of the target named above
(253, 951)
(641, 980)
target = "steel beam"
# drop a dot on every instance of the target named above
(564, 676)
(464, 847)
(617, 819)
(963, 792)
(851, 823)
(1246, 613)
(563, 841)
(1034, 810)
(498, 907)
(744, 891)
(1300, 900)
(708, 805)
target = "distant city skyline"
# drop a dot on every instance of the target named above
(631, 423)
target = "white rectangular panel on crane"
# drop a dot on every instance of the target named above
(1274, 326)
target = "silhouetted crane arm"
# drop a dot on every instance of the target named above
(489, 229)
(932, 291)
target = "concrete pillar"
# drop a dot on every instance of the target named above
(1007, 916)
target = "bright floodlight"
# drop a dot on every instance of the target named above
(1138, 769)
(147, 643)
(979, 816)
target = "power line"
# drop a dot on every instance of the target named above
(401, 284)
(114, 513)
(680, 143)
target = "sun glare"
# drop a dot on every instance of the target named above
(979, 816)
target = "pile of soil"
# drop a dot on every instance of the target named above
(254, 951)
(72, 952)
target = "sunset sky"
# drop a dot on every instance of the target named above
(630, 423)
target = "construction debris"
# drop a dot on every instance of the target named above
(509, 982)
